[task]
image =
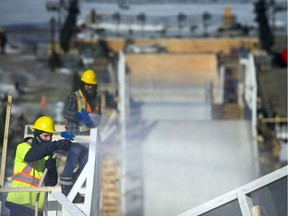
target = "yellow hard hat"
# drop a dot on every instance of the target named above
(89, 77)
(44, 123)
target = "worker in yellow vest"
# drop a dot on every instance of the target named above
(33, 155)
(82, 111)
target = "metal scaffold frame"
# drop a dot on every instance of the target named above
(122, 107)
(91, 174)
(241, 194)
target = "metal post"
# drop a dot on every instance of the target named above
(254, 108)
(122, 109)
(93, 182)
(251, 100)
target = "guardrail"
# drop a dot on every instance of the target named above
(63, 205)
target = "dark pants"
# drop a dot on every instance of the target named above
(19, 210)
(76, 154)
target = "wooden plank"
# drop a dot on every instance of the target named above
(111, 194)
(274, 120)
(110, 191)
(5, 140)
(31, 189)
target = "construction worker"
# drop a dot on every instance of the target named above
(33, 155)
(78, 108)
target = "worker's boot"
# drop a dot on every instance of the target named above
(66, 184)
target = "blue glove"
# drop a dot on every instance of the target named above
(67, 136)
(83, 116)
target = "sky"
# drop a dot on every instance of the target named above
(17, 12)
(34, 11)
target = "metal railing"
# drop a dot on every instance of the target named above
(243, 196)
(91, 174)
(64, 205)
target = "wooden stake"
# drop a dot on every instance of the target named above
(5, 140)
(40, 185)
(256, 210)
(4, 148)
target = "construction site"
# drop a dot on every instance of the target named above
(191, 125)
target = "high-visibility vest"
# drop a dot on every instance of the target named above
(26, 174)
(83, 104)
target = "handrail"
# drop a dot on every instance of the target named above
(30, 189)
(240, 193)
(68, 208)
(274, 120)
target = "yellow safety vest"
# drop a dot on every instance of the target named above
(26, 174)
(82, 104)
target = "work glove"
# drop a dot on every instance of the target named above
(52, 176)
(50, 164)
(67, 136)
(63, 144)
(83, 116)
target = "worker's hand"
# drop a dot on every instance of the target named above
(50, 164)
(83, 116)
(64, 144)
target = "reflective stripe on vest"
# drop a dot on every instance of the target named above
(26, 177)
(82, 104)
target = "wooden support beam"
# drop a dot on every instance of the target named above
(30, 189)
(5, 140)
(274, 120)
(4, 148)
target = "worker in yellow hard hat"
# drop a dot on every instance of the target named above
(81, 102)
(79, 108)
(33, 155)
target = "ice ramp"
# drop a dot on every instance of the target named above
(187, 163)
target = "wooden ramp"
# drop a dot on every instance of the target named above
(186, 45)
(179, 77)
(175, 69)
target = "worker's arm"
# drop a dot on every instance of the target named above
(43, 149)
(70, 108)
(40, 150)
